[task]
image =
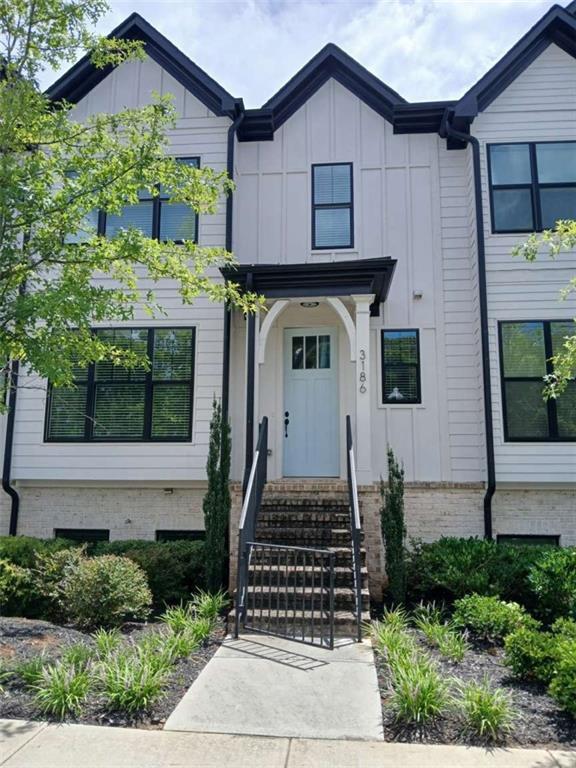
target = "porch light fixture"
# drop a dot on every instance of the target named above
(309, 304)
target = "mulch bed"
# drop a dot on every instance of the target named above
(22, 639)
(539, 722)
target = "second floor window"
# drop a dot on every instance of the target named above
(112, 403)
(532, 186)
(332, 213)
(525, 352)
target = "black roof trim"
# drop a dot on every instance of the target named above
(331, 61)
(558, 26)
(335, 278)
(420, 117)
(83, 76)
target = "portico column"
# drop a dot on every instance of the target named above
(364, 396)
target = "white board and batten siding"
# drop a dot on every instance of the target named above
(409, 204)
(540, 105)
(198, 133)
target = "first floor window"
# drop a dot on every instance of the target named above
(400, 367)
(110, 402)
(525, 349)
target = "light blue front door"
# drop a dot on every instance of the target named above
(311, 413)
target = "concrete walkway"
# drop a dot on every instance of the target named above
(37, 745)
(265, 686)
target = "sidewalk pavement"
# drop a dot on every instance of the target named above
(39, 745)
(259, 685)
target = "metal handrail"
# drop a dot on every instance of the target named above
(248, 519)
(355, 526)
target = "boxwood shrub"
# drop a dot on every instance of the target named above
(490, 619)
(451, 568)
(552, 580)
(175, 569)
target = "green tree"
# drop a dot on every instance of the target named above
(56, 173)
(561, 238)
(216, 505)
(394, 529)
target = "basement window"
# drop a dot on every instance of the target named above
(520, 539)
(83, 535)
(190, 535)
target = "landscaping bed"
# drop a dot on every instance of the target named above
(22, 640)
(539, 721)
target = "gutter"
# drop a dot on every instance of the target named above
(446, 131)
(7, 466)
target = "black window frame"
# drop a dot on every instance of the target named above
(83, 535)
(553, 436)
(534, 185)
(166, 535)
(417, 365)
(148, 381)
(157, 201)
(517, 539)
(328, 206)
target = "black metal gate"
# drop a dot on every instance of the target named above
(290, 593)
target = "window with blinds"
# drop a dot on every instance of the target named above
(155, 216)
(332, 210)
(113, 403)
(526, 349)
(400, 367)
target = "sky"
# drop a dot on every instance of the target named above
(424, 49)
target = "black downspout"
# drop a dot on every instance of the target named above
(227, 312)
(250, 363)
(7, 467)
(448, 130)
(228, 319)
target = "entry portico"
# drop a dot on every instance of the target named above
(307, 362)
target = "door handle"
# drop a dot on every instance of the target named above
(286, 422)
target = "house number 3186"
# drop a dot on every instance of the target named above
(362, 376)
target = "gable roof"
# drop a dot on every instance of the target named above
(557, 26)
(331, 61)
(83, 76)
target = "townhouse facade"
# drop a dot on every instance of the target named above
(381, 234)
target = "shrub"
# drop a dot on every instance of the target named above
(105, 592)
(15, 588)
(132, 682)
(419, 692)
(23, 550)
(49, 575)
(553, 581)
(394, 529)
(216, 504)
(563, 685)
(488, 712)
(565, 627)
(452, 568)
(531, 655)
(174, 569)
(62, 689)
(491, 619)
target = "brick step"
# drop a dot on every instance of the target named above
(277, 599)
(300, 576)
(293, 516)
(320, 501)
(305, 625)
(304, 537)
(342, 558)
